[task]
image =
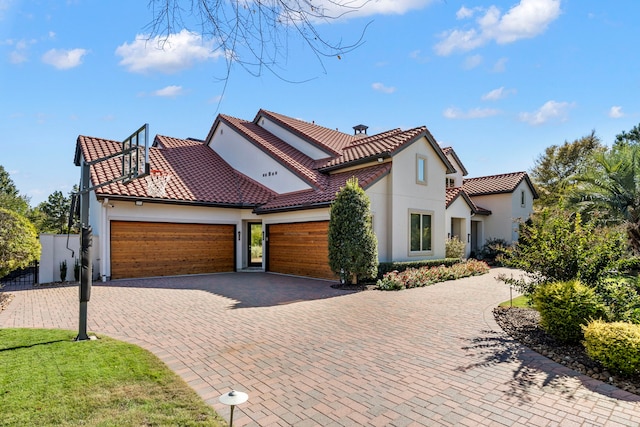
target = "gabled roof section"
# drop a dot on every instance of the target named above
(452, 194)
(325, 196)
(448, 151)
(383, 145)
(198, 174)
(330, 140)
(290, 157)
(497, 184)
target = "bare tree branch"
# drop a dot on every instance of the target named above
(255, 34)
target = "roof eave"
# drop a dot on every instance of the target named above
(292, 208)
(363, 160)
(117, 197)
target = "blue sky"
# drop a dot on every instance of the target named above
(498, 80)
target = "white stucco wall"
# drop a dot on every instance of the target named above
(292, 139)
(507, 212)
(379, 195)
(407, 195)
(253, 162)
(457, 176)
(61, 247)
(460, 211)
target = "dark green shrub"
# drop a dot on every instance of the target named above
(621, 299)
(353, 246)
(63, 271)
(388, 267)
(565, 306)
(76, 270)
(615, 345)
(493, 251)
(556, 246)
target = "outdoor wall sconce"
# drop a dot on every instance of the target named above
(232, 399)
(468, 238)
(239, 235)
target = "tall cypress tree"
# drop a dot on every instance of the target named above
(353, 246)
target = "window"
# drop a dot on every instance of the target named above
(522, 199)
(451, 182)
(420, 232)
(421, 170)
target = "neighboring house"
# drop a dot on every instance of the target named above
(258, 194)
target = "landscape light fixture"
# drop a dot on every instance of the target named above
(232, 399)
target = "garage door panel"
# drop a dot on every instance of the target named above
(144, 249)
(300, 249)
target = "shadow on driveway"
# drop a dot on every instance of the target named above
(247, 289)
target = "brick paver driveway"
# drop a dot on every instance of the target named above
(311, 355)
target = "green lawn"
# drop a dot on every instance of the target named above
(520, 301)
(47, 379)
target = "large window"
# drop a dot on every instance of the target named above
(421, 170)
(420, 232)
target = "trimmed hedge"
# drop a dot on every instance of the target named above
(615, 345)
(565, 306)
(388, 267)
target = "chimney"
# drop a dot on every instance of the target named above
(360, 130)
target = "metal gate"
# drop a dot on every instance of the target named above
(21, 278)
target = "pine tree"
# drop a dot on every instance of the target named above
(353, 246)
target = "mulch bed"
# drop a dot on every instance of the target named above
(5, 299)
(523, 325)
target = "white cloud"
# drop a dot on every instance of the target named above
(166, 54)
(551, 110)
(616, 112)
(4, 6)
(500, 65)
(472, 61)
(169, 91)
(359, 8)
(474, 113)
(382, 88)
(17, 57)
(64, 59)
(527, 19)
(497, 94)
(418, 56)
(464, 13)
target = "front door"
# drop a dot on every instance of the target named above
(255, 244)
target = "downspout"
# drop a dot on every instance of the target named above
(104, 239)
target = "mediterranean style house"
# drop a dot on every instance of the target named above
(257, 194)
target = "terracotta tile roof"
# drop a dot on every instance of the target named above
(497, 184)
(384, 145)
(452, 195)
(323, 197)
(290, 157)
(199, 175)
(324, 138)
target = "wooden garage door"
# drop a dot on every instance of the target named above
(300, 249)
(146, 249)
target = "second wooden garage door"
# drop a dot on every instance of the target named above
(146, 249)
(300, 249)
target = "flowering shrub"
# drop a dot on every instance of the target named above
(425, 276)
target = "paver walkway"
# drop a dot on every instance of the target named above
(310, 355)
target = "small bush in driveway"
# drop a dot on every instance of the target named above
(425, 276)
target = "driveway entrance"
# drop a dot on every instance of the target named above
(310, 355)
